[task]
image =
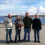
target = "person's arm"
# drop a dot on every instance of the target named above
(31, 21)
(4, 22)
(15, 22)
(40, 24)
(24, 20)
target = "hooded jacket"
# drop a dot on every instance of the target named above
(8, 23)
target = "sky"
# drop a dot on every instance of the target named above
(20, 7)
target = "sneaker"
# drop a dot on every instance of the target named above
(7, 42)
(38, 41)
(19, 40)
(28, 40)
(11, 41)
(24, 40)
(15, 41)
(35, 41)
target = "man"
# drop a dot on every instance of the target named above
(18, 28)
(27, 26)
(8, 25)
(36, 27)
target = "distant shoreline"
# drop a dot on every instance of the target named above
(23, 16)
(3, 23)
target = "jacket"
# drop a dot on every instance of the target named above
(18, 22)
(27, 22)
(8, 23)
(36, 24)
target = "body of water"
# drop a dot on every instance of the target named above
(14, 18)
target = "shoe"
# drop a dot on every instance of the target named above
(24, 40)
(7, 42)
(11, 41)
(38, 41)
(35, 41)
(19, 40)
(28, 40)
(15, 41)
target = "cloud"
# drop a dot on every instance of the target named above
(42, 2)
(34, 10)
(5, 7)
(9, 4)
(42, 10)
(22, 6)
(4, 1)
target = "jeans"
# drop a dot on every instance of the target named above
(36, 32)
(8, 32)
(18, 31)
(27, 30)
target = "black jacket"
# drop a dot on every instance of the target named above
(27, 22)
(17, 22)
(36, 24)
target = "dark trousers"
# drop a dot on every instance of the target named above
(18, 31)
(27, 31)
(36, 32)
(8, 32)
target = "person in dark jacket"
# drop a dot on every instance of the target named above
(36, 27)
(27, 26)
(18, 28)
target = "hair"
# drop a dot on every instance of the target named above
(9, 15)
(26, 13)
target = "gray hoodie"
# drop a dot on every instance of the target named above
(8, 23)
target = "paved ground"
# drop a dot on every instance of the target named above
(3, 33)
